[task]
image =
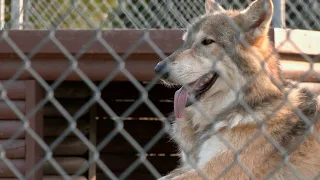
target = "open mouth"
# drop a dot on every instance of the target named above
(197, 88)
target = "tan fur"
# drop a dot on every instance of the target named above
(184, 55)
(260, 156)
(272, 124)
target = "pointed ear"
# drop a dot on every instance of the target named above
(256, 18)
(212, 6)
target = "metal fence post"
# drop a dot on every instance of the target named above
(2, 13)
(16, 14)
(279, 16)
(26, 13)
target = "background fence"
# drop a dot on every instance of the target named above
(87, 104)
(108, 14)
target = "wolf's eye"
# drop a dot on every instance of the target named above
(206, 42)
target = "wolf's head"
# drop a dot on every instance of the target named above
(223, 51)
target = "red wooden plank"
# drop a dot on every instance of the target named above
(73, 41)
(8, 128)
(15, 90)
(15, 149)
(34, 93)
(100, 69)
(6, 172)
(6, 112)
(96, 69)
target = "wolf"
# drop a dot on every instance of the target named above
(235, 116)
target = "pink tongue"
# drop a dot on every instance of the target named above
(181, 97)
(180, 101)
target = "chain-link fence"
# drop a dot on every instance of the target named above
(87, 104)
(88, 14)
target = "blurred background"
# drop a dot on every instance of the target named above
(138, 14)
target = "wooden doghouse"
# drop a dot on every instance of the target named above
(94, 54)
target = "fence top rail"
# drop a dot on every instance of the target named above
(120, 41)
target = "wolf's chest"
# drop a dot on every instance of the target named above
(211, 148)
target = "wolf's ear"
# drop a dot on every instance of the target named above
(212, 6)
(256, 18)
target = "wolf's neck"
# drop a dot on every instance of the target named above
(261, 90)
(223, 109)
(204, 113)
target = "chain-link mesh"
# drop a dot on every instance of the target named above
(140, 126)
(88, 14)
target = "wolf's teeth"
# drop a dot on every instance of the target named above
(209, 75)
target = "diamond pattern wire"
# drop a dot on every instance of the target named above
(127, 14)
(133, 14)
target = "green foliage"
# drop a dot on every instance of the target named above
(71, 14)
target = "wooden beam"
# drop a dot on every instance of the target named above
(72, 107)
(70, 146)
(70, 164)
(10, 127)
(14, 150)
(167, 40)
(297, 41)
(54, 127)
(93, 140)
(15, 90)
(6, 172)
(6, 112)
(34, 93)
(97, 63)
(295, 70)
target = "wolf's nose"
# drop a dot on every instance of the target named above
(162, 69)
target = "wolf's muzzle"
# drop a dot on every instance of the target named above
(162, 69)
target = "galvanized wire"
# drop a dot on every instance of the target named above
(129, 14)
